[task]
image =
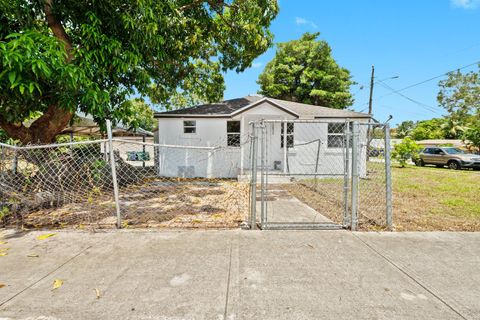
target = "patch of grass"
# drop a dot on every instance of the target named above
(428, 198)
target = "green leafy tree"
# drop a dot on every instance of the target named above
(139, 114)
(405, 150)
(60, 57)
(304, 71)
(429, 129)
(405, 128)
(453, 128)
(471, 137)
(459, 94)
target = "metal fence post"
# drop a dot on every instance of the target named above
(355, 164)
(346, 172)
(388, 178)
(114, 173)
(263, 168)
(15, 159)
(253, 180)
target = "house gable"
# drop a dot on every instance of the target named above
(265, 107)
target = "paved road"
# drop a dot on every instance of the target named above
(241, 275)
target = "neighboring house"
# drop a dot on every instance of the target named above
(132, 150)
(227, 124)
(441, 142)
(380, 143)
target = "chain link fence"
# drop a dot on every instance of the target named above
(317, 174)
(374, 186)
(297, 174)
(55, 185)
(149, 184)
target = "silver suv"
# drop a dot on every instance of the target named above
(454, 158)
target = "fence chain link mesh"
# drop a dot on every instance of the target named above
(311, 183)
(373, 207)
(182, 186)
(55, 185)
(71, 185)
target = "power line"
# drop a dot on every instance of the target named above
(439, 76)
(421, 82)
(421, 104)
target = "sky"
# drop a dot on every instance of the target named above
(415, 40)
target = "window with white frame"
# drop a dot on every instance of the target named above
(336, 134)
(233, 133)
(189, 126)
(290, 129)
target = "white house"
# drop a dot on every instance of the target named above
(212, 140)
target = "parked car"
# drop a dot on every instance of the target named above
(454, 158)
(375, 152)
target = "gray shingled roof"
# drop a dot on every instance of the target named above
(229, 107)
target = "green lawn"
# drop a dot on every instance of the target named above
(424, 198)
(429, 198)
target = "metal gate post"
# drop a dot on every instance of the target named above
(114, 174)
(253, 180)
(263, 168)
(346, 172)
(388, 178)
(355, 166)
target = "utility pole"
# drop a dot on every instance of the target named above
(370, 111)
(371, 91)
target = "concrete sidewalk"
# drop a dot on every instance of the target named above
(241, 275)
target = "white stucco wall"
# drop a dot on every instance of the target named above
(210, 132)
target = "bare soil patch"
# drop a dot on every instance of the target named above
(154, 203)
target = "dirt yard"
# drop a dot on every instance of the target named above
(155, 203)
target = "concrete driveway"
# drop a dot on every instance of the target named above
(240, 275)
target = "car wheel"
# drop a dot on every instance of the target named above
(454, 165)
(420, 163)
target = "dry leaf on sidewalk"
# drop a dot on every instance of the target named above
(45, 236)
(2, 285)
(97, 291)
(57, 283)
(33, 255)
(3, 242)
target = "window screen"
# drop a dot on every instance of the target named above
(189, 126)
(290, 139)
(233, 133)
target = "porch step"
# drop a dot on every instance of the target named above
(271, 179)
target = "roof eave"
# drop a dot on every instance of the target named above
(184, 115)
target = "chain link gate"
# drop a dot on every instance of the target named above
(314, 174)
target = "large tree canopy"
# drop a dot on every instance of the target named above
(57, 57)
(459, 94)
(304, 71)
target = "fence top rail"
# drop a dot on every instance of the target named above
(68, 144)
(301, 121)
(52, 145)
(173, 146)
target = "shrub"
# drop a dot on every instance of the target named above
(405, 150)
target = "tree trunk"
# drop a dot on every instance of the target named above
(55, 119)
(42, 130)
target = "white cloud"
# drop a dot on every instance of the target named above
(302, 21)
(257, 64)
(465, 4)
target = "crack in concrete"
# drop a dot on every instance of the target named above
(371, 247)
(227, 296)
(45, 276)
